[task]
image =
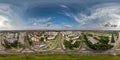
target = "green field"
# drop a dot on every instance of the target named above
(59, 57)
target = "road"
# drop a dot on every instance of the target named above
(57, 44)
(117, 43)
(64, 49)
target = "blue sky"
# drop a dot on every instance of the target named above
(59, 14)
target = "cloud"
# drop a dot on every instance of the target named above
(47, 26)
(39, 21)
(67, 26)
(5, 14)
(99, 15)
(45, 23)
(5, 23)
(10, 16)
(63, 6)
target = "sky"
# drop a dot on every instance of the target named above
(60, 14)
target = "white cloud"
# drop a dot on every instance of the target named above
(47, 26)
(103, 13)
(68, 26)
(9, 16)
(4, 23)
(63, 6)
(39, 21)
(45, 23)
(5, 14)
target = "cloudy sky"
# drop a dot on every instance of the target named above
(60, 14)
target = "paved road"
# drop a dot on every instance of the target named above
(117, 43)
(61, 43)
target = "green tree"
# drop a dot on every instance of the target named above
(112, 38)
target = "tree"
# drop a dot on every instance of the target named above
(112, 39)
(102, 45)
(41, 39)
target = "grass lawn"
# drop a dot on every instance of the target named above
(58, 57)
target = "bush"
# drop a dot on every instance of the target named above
(70, 46)
(112, 39)
(102, 45)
